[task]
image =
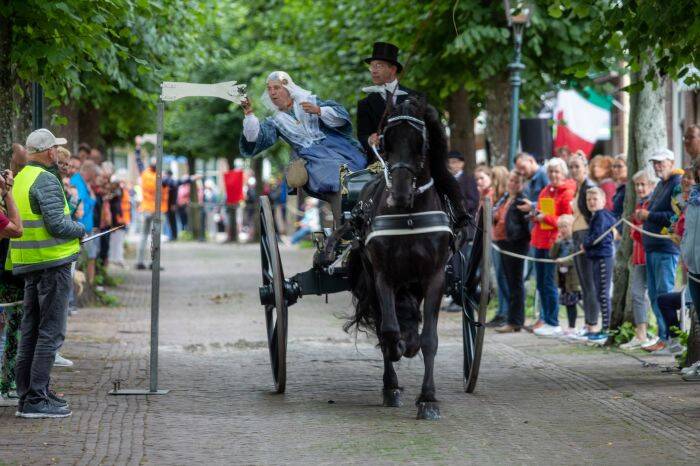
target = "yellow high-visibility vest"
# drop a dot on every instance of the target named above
(36, 245)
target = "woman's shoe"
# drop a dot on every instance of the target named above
(658, 345)
(508, 328)
(634, 343)
(692, 368)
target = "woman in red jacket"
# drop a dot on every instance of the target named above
(554, 200)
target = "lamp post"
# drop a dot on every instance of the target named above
(518, 17)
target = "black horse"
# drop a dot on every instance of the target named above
(400, 261)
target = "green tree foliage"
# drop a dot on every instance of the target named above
(109, 54)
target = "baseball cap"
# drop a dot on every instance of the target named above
(42, 139)
(455, 154)
(661, 154)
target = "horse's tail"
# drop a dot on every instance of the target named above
(367, 316)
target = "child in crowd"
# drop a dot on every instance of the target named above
(567, 279)
(601, 254)
(644, 184)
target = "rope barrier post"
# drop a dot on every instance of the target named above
(155, 272)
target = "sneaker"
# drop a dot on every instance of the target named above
(535, 326)
(498, 321)
(598, 338)
(634, 343)
(653, 347)
(60, 361)
(57, 400)
(547, 331)
(72, 311)
(140, 266)
(674, 347)
(43, 409)
(580, 335)
(508, 328)
(692, 368)
(692, 375)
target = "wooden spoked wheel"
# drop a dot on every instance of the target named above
(275, 302)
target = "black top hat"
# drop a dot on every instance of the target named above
(455, 154)
(386, 52)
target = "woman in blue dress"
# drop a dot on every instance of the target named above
(319, 131)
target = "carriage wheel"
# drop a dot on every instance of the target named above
(476, 283)
(276, 307)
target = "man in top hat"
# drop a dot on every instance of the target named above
(384, 68)
(466, 181)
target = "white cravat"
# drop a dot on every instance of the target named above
(385, 89)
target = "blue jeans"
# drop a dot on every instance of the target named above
(503, 294)
(546, 286)
(661, 277)
(300, 234)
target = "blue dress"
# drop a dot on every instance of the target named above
(324, 157)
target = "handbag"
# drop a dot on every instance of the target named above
(297, 175)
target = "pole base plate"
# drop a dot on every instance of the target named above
(136, 391)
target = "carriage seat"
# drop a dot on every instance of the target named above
(351, 184)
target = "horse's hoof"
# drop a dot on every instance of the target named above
(392, 397)
(428, 410)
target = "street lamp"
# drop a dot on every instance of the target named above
(518, 17)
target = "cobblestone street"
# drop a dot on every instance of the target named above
(538, 401)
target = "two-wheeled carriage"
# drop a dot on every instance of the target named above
(467, 283)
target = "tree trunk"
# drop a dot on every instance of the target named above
(693, 340)
(462, 127)
(647, 132)
(6, 103)
(71, 130)
(89, 126)
(498, 119)
(194, 210)
(22, 121)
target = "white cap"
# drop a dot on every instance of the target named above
(41, 140)
(661, 154)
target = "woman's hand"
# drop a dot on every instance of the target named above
(247, 106)
(311, 108)
(539, 217)
(642, 215)
(524, 205)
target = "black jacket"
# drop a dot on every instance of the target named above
(467, 184)
(370, 111)
(517, 223)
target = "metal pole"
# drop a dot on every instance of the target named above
(155, 275)
(37, 106)
(515, 68)
(155, 253)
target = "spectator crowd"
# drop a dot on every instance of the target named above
(562, 223)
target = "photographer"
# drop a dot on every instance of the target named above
(10, 223)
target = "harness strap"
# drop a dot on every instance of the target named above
(409, 224)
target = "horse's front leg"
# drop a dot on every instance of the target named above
(427, 403)
(391, 393)
(389, 332)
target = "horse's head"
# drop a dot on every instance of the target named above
(405, 145)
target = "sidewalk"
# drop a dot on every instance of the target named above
(538, 401)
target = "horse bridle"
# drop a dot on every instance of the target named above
(388, 169)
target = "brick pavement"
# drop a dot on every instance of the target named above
(537, 401)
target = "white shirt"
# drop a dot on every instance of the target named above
(251, 124)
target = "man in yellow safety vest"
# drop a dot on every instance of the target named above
(43, 254)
